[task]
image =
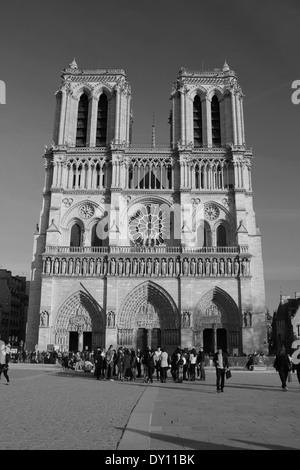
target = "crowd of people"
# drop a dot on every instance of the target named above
(126, 364)
(129, 364)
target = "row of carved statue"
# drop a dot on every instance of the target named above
(147, 266)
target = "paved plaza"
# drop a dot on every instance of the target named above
(45, 408)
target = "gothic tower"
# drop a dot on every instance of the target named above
(150, 246)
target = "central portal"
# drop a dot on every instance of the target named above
(149, 318)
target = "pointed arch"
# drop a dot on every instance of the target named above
(219, 304)
(79, 311)
(82, 121)
(145, 293)
(76, 233)
(215, 121)
(197, 121)
(101, 131)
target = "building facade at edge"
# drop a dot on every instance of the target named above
(14, 294)
(147, 247)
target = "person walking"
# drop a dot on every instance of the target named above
(4, 358)
(220, 361)
(282, 365)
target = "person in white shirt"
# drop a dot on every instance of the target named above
(164, 365)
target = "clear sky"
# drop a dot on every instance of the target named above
(260, 40)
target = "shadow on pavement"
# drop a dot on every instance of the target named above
(192, 444)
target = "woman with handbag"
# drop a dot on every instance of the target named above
(282, 364)
(220, 361)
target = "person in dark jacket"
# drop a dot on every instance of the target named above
(282, 365)
(99, 364)
(220, 361)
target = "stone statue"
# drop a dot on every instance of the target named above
(193, 267)
(91, 266)
(120, 264)
(48, 266)
(113, 267)
(149, 266)
(71, 266)
(134, 266)
(142, 267)
(215, 267)
(229, 267)
(222, 267)
(200, 267)
(127, 267)
(56, 266)
(63, 266)
(77, 266)
(207, 267)
(163, 267)
(171, 267)
(177, 267)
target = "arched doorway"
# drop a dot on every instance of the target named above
(148, 318)
(217, 322)
(80, 324)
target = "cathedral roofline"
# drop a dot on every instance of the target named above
(216, 72)
(93, 72)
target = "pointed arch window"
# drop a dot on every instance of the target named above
(95, 240)
(197, 116)
(215, 122)
(76, 235)
(82, 120)
(101, 133)
(221, 236)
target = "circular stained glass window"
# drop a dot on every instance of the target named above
(149, 225)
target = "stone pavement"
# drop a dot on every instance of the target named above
(44, 408)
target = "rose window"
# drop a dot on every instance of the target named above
(211, 212)
(86, 211)
(148, 225)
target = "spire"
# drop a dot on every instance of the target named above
(73, 65)
(226, 67)
(153, 134)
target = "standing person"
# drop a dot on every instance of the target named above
(200, 365)
(186, 365)
(3, 361)
(150, 365)
(110, 354)
(139, 357)
(296, 362)
(98, 364)
(157, 363)
(164, 365)
(133, 363)
(120, 363)
(126, 365)
(220, 361)
(282, 365)
(192, 362)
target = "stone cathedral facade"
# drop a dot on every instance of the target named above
(146, 247)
